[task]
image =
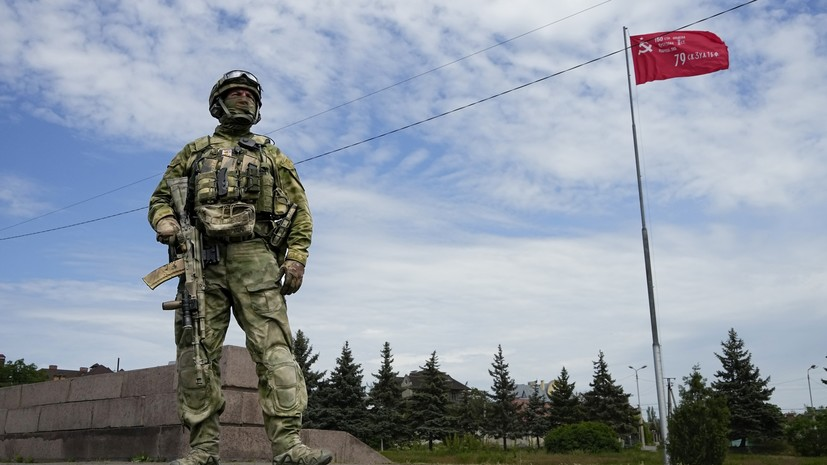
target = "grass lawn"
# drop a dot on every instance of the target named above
(534, 457)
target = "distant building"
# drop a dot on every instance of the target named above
(523, 391)
(415, 379)
(54, 373)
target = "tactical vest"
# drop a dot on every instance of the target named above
(233, 186)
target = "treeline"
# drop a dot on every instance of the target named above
(708, 420)
(734, 409)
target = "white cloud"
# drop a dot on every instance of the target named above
(514, 221)
(19, 197)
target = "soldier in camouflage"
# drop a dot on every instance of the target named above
(246, 197)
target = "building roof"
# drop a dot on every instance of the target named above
(56, 373)
(524, 391)
(414, 380)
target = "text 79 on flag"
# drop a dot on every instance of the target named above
(666, 55)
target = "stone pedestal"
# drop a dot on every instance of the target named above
(119, 416)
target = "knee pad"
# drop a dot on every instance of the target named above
(281, 383)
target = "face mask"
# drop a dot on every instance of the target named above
(241, 107)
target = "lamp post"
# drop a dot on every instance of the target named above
(809, 388)
(640, 424)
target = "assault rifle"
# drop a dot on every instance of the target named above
(187, 252)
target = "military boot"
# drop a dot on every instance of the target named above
(303, 455)
(196, 457)
(204, 438)
(288, 449)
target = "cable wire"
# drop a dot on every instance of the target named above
(437, 68)
(394, 131)
(73, 225)
(335, 107)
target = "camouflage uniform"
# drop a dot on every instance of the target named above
(246, 282)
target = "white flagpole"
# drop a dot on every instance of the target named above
(664, 432)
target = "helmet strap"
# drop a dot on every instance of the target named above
(239, 118)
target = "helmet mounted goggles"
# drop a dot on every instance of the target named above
(237, 78)
(233, 79)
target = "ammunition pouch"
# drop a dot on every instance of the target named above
(281, 226)
(227, 221)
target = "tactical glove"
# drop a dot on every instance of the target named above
(293, 272)
(167, 228)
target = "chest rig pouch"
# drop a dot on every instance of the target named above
(227, 187)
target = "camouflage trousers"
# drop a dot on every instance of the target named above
(243, 283)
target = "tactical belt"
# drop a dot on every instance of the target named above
(235, 240)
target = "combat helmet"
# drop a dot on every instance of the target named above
(231, 80)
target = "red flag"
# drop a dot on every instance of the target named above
(666, 55)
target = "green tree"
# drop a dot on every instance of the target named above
(341, 400)
(386, 401)
(428, 406)
(824, 381)
(752, 417)
(503, 420)
(564, 403)
(305, 357)
(19, 372)
(470, 412)
(698, 427)
(607, 403)
(807, 432)
(534, 414)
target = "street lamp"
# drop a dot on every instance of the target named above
(809, 388)
(640, 424)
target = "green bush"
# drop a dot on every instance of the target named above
(588, 436)
(808, 433)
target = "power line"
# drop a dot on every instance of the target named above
(463, 107)
(394, 131)
(73, 225)
(437, 68)
(329, 109)
(80, 202)
(363, 141)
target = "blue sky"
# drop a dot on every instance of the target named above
(513, 222)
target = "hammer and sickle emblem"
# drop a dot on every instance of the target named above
(644, 47)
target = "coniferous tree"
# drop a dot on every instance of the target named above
(534, 415)
(341, 400)
(305, 357)
(824, 381)
(607, 403)
(699, 426)
(564, 404)
(428, 406)
(503, 420)
(386, 401)
(752, 416)
(470, 412)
